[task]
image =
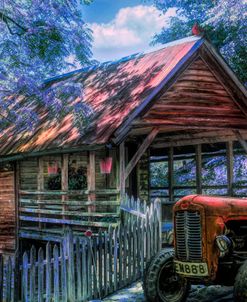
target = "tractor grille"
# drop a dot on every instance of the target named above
(188, 235)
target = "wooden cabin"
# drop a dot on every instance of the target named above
(170, 105)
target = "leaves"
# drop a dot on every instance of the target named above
(224, 22)
(36, 40)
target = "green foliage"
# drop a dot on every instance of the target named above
(224, 23)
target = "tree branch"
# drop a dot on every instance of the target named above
(6, 19)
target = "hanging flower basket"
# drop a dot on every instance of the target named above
(53, 169)
(106, 165)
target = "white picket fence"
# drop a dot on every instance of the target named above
(85, 268)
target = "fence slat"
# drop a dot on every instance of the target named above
(71, 267)
(8, 279)
(84, 272)
(56, 273)
(40, 275)
(89, 267)
(64, 283)
(95, 269)
(32, 273)
(100, 263)
(48, 272)
(78, 270)
(120, 256)
(1, 278)
(134, 250)
(125, 243)
(25, 278)
(110, 259)
(106, 263)
(115, 266)
(130, 233)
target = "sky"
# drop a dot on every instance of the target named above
(123, 27)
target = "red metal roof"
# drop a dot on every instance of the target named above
(113, 91)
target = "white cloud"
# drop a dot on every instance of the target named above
(129, 32)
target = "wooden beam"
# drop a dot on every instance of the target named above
(40, 181)
(241, 140)
(146, 143)
(24, 155)
(91, 179)
(65, 180)
(198, 169)
(171, 174)
(229, 152)
(121, 170)
(194, 141)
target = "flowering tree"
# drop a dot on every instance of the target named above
(223, 21)
(39, 39)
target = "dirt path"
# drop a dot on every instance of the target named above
(134, 293)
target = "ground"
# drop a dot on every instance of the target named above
(134, 293)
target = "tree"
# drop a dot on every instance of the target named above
(39, 39)
(224, 23)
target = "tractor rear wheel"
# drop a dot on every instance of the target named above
(240, 286)
(161, 283)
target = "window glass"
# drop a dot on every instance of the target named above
(159, 174)
(185, 172)
(77, 172)
(240, 169)
(214, 170)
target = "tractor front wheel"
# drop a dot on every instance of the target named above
(161, 283)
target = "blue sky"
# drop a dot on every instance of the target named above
(123, 27)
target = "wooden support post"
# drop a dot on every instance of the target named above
(65, 180)
(122, 170)
(40, 181)
(91, 180)
(146, 143)
(229, 152)
(171, 174)
(198, 169)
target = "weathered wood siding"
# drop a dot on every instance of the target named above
(197, 99)
(143, 177)
(7, 212)
(28, 174)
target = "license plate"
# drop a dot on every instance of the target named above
(191, 269)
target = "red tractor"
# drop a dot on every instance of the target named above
(210, 247)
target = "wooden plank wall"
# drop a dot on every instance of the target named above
(28, 174)
(143, 177)
(7, 212)
(197, 99)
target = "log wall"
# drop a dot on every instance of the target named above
(7, 212)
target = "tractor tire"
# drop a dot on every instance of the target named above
(161, 283)
(240, 285)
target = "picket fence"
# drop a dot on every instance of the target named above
(86, 268)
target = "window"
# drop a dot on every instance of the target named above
(77, 172)
(52, 172)
(159, 180)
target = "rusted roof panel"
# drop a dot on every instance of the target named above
(113, 91)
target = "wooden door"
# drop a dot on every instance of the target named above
(7, 212)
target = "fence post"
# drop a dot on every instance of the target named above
(1, 278)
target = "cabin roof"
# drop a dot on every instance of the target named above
(115, 92)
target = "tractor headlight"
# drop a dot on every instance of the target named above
(223, 243)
